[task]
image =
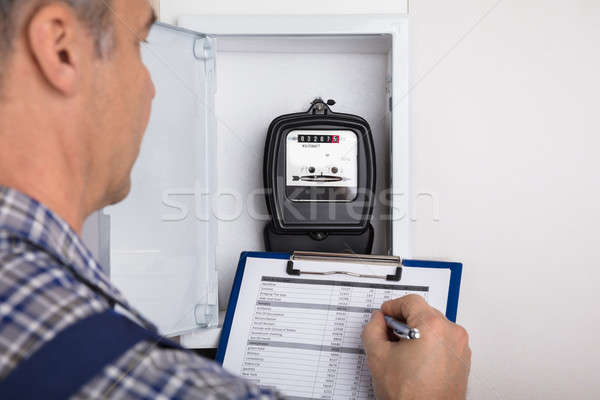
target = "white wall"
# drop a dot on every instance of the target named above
(506, 134)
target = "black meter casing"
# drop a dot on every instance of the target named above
(326, 206)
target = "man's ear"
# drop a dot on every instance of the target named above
(55, 40)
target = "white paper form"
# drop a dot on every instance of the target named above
(301, 334)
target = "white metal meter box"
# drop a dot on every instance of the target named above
(196, 200)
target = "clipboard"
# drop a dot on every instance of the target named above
(293, 271)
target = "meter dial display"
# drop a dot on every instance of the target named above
(321, 165)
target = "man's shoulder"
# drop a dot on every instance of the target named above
(28, 271)
(40, 297)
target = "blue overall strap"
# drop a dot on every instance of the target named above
(61, 367)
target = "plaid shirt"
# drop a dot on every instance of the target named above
(49, 280)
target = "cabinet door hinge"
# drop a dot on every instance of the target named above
(205, 50)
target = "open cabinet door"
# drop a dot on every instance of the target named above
(160, 241)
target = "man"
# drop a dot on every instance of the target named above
(75, 99)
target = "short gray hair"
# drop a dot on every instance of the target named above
(95, 14)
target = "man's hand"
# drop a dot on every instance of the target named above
(436, 366)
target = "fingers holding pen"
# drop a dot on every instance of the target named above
(413, 309)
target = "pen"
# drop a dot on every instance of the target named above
(401, 330)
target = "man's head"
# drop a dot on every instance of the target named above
(72, 82)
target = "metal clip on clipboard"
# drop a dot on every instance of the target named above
(350, 258)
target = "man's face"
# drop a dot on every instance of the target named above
(122, 93)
